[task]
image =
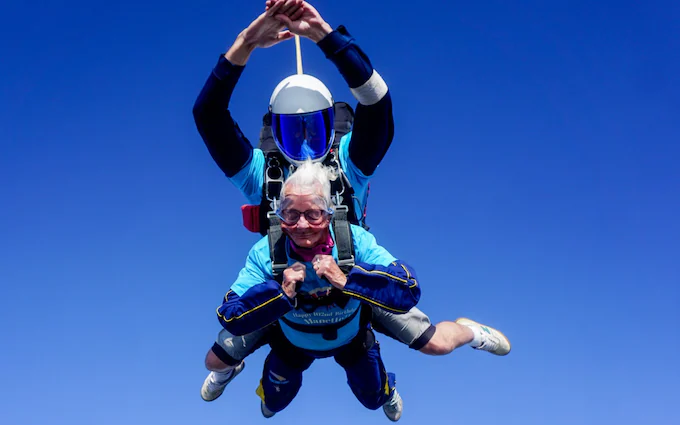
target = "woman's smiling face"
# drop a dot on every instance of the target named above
(303, 233)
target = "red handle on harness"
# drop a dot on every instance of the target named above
(251, 217)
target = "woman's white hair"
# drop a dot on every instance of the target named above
(310, 178)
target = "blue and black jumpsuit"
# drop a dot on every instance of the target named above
(321, 321)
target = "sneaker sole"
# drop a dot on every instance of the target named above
(465, 321)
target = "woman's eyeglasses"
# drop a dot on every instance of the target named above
(313, 216)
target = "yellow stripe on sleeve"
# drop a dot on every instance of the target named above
(373, 302)
(249, 311)
(390, 275)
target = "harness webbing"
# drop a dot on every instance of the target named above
(343, 239)
(277, 246)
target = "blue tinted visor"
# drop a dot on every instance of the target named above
(302, 136)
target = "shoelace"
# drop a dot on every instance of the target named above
(490, 343)
(393, 402)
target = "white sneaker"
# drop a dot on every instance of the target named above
(266, 412)
(393, 407)
(493, 340)
(215, 383)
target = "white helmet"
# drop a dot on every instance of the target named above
(299, 94)
(302, 118)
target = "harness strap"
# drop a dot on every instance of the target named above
(343, 239)
(271, 189)
(329, 332)
(277, 247)
(342, 192)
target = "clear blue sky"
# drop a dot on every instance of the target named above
(533, 183)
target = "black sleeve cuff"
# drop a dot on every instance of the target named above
(335, 42)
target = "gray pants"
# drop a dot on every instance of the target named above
(412, 328)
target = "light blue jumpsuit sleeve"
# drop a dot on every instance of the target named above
(251, 178)
(367, 249)
(357, 179)
(257, 269)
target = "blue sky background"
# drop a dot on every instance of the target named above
(533, 183)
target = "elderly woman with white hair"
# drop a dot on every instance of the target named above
(316, 307)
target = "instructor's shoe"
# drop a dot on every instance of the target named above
(493, 340)
(266, 412)
(393, 407)
(215, 383)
